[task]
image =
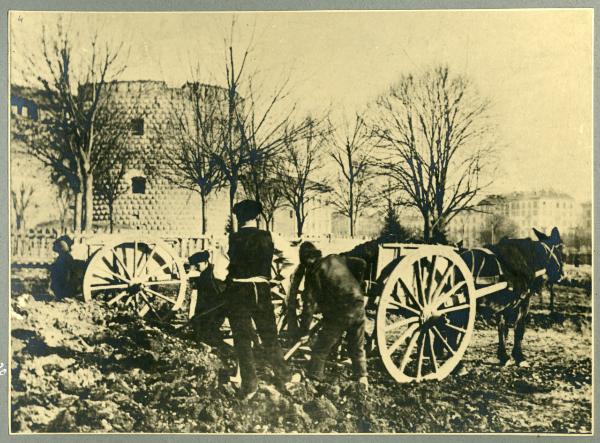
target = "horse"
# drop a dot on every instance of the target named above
(516, 262)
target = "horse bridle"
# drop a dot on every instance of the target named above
(551, 254)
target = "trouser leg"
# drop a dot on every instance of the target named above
(264, 318)
(356, 348)
(328, 336)
(241, 328)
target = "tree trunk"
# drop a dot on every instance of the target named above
(203, 212)
(426, 228)
(351, 211)
(299, 223)
(89, 203)
(232, 192)
(78, 212)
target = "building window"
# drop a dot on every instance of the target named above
(138, 185)
(137, 126)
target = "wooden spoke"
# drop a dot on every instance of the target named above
(162, 282)
(409, 349)
(419, 280)
(105, 287)
(400, 305)
(149, 257)
(143, 311)
(442, 282)
(444, 298)
(420, 361)
(441, 337)
(150, 305)
(116, 256)
(453, 308)
(112, 274)
(159, 295)
(456, 328)
(409, 293)
(138, 264)
(409, 332)
(400, 323)
(135, 245)
(103, 277)
(430, 283)
(432, 350)
(119, 296)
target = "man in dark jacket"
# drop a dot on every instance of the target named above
(62, 271)
(249, 296)
(332, 283)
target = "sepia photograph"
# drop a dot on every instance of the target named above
(301, 222)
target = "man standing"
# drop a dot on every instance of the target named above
(333, 283)
(249, 296)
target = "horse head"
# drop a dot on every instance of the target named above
(552, 254)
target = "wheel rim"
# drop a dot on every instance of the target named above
(426, 315)
(146, 275)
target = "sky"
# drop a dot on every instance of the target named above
(534, 65)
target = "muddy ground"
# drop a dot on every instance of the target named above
(80, 367)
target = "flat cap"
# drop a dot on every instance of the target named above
(247, 210)
(199, 257)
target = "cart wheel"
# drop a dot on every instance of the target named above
(146, 275)
(426, 315)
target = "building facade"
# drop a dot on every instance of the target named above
(518, 213)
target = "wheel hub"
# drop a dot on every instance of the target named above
(135, 288)
(428, 316)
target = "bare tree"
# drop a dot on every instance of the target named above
(352, 152)
(21, 201)
(264, 146)
(109, 184)
(63, 201)
(195, 139)
(260, 183)
(78, 123)
(303, 160)
(435, 132)
(497, 226)
(254, 124)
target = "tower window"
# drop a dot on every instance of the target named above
(138, 185)
(137, 126)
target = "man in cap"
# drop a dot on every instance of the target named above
(334, 284)
(209, 311)
(249, 296)
(62, 275)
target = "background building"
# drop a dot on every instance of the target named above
(517, 213)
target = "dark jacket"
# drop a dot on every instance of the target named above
(62, 276)
(331, 283)
(250, 253)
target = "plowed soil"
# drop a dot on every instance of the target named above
(82, 367)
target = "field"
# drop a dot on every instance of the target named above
(80, 367)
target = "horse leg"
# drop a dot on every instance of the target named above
(502, 337)
(551, 289)
(520, 322)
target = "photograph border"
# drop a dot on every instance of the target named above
(255, 6)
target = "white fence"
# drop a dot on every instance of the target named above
(34, 247)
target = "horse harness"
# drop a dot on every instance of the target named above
(488, 254)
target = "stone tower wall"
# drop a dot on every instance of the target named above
(163, 206)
